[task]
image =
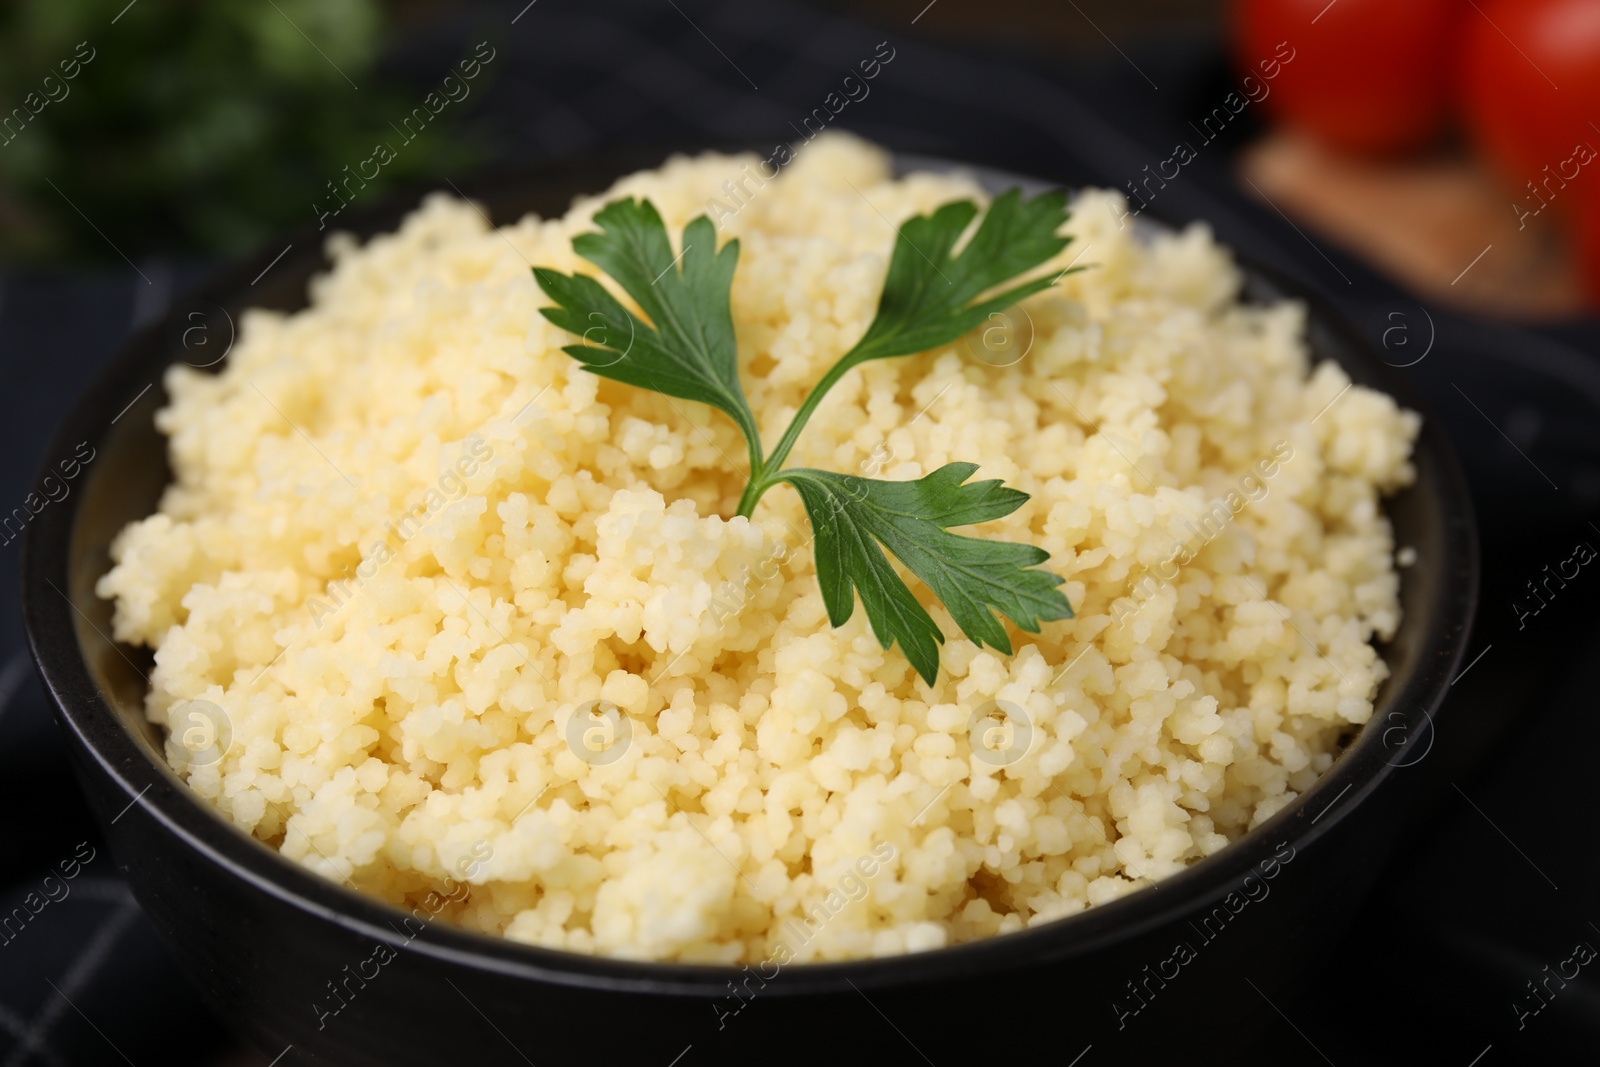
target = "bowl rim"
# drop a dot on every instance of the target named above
(149, 784)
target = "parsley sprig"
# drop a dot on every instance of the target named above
(932, 295)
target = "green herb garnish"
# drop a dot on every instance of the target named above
(931, 296)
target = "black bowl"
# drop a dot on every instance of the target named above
(276, 949)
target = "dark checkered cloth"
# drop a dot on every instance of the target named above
(83, 979)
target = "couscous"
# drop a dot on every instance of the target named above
(473, 622)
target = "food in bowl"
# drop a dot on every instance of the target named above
(442, 615)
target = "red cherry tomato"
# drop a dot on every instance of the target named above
(1369, 76)
(1530, 88)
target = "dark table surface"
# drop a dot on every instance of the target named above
(1497, 881)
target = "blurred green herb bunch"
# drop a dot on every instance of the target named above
(188, 127)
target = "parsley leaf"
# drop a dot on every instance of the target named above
(687, 350)
(851, 517)
(931, 296)
(928, 295)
